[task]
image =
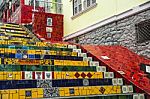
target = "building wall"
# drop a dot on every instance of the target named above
(120, 32)
(103, 10)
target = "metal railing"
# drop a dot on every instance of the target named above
(49, 7)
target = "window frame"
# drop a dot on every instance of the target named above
(142, 36)
(84, 7)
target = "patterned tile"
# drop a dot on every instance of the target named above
(71, 90)
(83, 75)
(85, 82)
(44, 83)
(28, 75)
(38, 75)
(102, 90)
(77, 74)
(48, 75)
(51, 92)
(89, 75)
(28, 93)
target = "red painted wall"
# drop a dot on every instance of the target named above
(40, 24)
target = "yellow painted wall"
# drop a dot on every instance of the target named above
(103, 10)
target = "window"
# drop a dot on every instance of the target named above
(143, 31)
(80, 6)
(88, 3)
(77, 6)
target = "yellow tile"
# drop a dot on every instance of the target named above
(63, 75)
(15, 96)
(34, 95)
(9, 50)
(1, 73)
(21, 92)
(21, 97)
(58, 62)
(85, 63)
(5, 96)
(67, 94)
(83, 91)
(4, 77)
(9, 75)
(107, 89)
(13, 51)
(88, 92)
(1, 77)
(52, 52)
(40, 96)
(18, 77)
(10, 96)
(119, 89)
(96, 90)
(57, 75)
(74, 54)
(4, 91)
(29, 52)
(13, 91)
(80, 90)
(40, 91)
(61, 93)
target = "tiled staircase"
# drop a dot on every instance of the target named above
(31, 69)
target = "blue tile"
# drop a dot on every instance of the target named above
(25, 47)
(11, 55)
(28, 93)
(71, 90)
(11, 47)
(18, 84)
(18, 55)
(31, 56)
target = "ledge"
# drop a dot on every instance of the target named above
(84, 11)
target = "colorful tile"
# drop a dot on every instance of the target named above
(51, 92)
(71, 90)
(28, 75)
(85, 82)
(48, 75)
(44, 83)
(38, 75)
(28, 93)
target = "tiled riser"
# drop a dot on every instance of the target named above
(12, 61)
(14, 52)
(22, 84)
(38, 56)
(45, 68)
(49, 75)
(59, 92)
(18, 45)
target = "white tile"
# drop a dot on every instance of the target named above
(38, 75)
(48, 75)
(28, 75)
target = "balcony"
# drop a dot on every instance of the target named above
(48, 7)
